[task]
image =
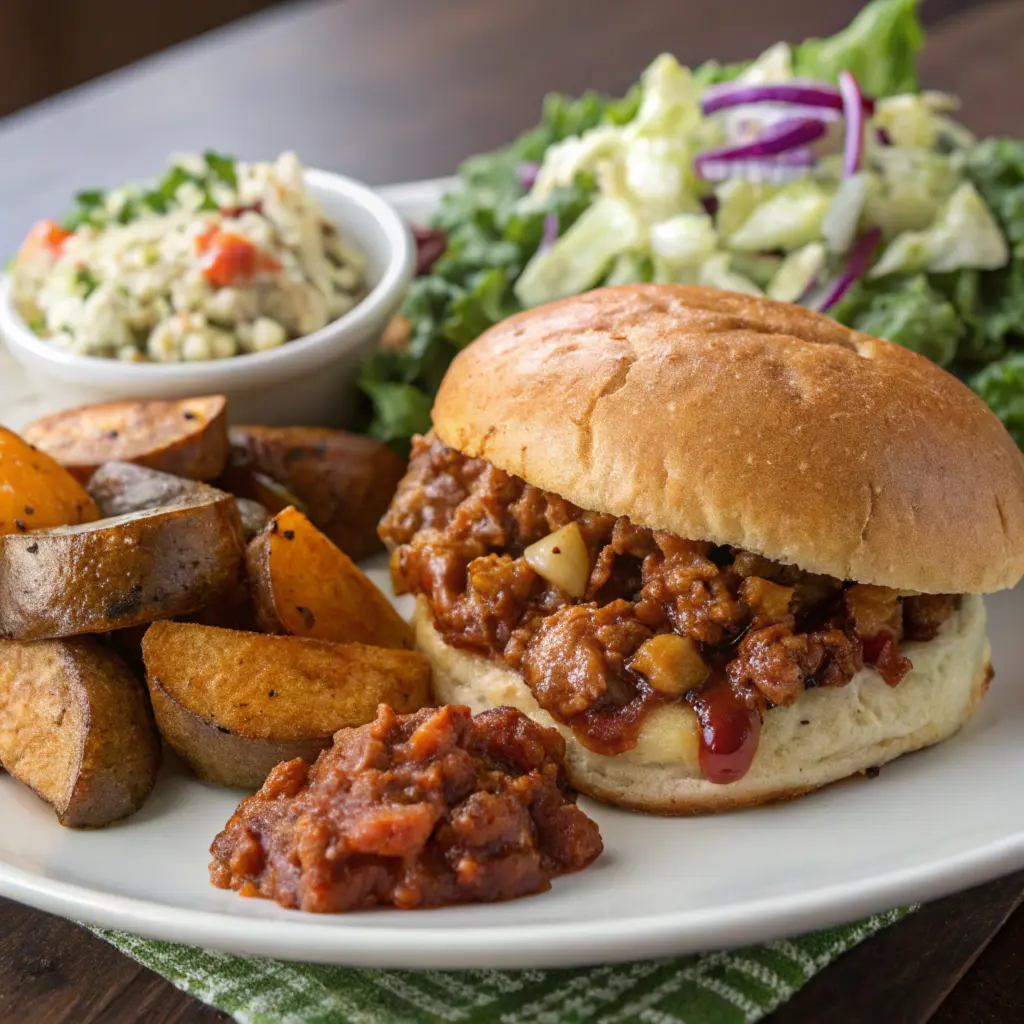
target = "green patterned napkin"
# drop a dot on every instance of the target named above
(715, 988)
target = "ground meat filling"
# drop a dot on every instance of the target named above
(414, 810)
(750, 633)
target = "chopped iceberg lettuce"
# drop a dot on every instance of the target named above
(717, 272)
(683, 241)
(839, 225)
(910, 120)
(798, 273)
(908, 189)
(581, 257)
(789, 219)
(965, 235)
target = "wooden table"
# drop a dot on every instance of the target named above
(401, 90)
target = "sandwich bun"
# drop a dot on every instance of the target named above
(767, 427)
(742, 421)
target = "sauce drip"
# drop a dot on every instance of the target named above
(729, 732)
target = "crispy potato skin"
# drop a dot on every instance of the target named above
(119, 488)
(188, 437)
(342, 481)
(304, 585)
(222, 757)
(235, 704)
(36, 493)
(122, 487)
(76, 727)
(119, 572)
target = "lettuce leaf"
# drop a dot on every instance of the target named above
(879, 47)
(907, 311)
(491, 238)
(1001, 385)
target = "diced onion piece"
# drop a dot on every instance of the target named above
(562, 559)
(874, 610)
(853, 110)
(671, 664)
(769, 601)
(804, 93)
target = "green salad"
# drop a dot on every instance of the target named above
(817, 173)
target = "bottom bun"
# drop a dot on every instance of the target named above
(828, 734)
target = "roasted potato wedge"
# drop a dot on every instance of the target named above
(119, 572)
(76, 726)
(255, 518)
(122, 487)
(235, 704)
(248, 485)
(232, 608)
(35, 492)
(304, 585)
(128, 644)
(187, 437)
(343, 482)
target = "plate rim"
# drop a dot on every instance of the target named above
(328, 939)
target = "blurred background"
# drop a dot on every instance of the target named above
(101, 91)
(47, 46)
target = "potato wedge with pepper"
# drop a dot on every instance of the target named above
(343, 482)
(35, 492)
(304, 585)
(187, 437)
(75, 726)
(119, 572)
(235, 704)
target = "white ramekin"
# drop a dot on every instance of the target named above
(307, 381)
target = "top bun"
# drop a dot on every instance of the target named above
(742, 421)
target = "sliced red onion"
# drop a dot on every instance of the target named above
(853, 111)
(883, 137)
(430, 246)
(803, 92)
(550, 235)
(772, 170)
(526, 172)
(774, 141)
(769, 114)
(857, 262)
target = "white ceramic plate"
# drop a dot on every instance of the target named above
(934, 822)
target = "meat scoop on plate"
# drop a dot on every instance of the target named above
(413, 810)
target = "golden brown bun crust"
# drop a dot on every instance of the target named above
(748, 422)
(830, 733)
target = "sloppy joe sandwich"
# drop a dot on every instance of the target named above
(731, 549)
